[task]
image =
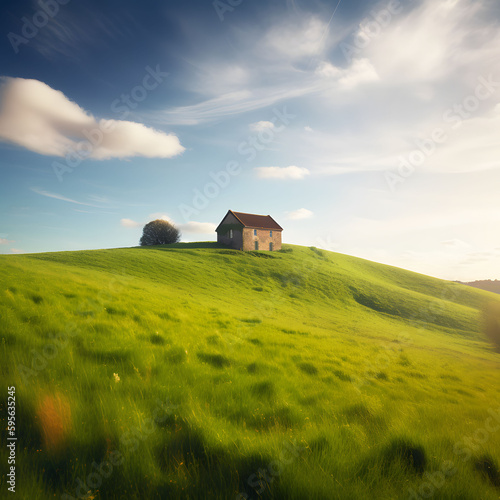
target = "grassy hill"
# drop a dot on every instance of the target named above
(192, 371)
(488, 285)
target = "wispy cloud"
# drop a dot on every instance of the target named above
(45, 121)
(60, 197)
(300, 214)
(100, 212)
(241, 101)
(291, 172)
(16, 250)
(287, 54)
(232, 103)
(99, 199)
(434, 40)
(4, 241)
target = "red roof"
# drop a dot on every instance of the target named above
(256, 221)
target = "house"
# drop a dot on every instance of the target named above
(249, 232)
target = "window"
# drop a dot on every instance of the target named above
(271, 246)
(255, 232)
(271, 234)
(230, 233)
(256, 245)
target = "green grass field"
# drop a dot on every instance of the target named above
(195, 372)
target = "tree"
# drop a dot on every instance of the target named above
(159, 232)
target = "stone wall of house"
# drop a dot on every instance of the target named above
(263, 237)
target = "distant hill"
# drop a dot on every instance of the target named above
(488, 285)
(192, 371)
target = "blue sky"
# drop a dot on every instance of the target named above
(366, 128)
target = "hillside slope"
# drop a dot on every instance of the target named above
(192, 371)
(488, 285)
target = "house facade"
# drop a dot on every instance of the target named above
(249, 232)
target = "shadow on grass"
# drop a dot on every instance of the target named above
(488, 468)
(191, 246)
(215, 468)
(410, 456)
(209, 244)
(308, 368)
(398, 455)
(216, 360)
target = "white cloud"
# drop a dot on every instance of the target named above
(292, 172)
(160, 215)
(361, 71)
(45, 121)
(16, 250)
(455, 243)
(326, 69)
(433, 40)
(440, 50)
(260, 126)
(308, 129)
(301, 213)
(4, 241)
(193, 227)
(130, 223)
(295, 41)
